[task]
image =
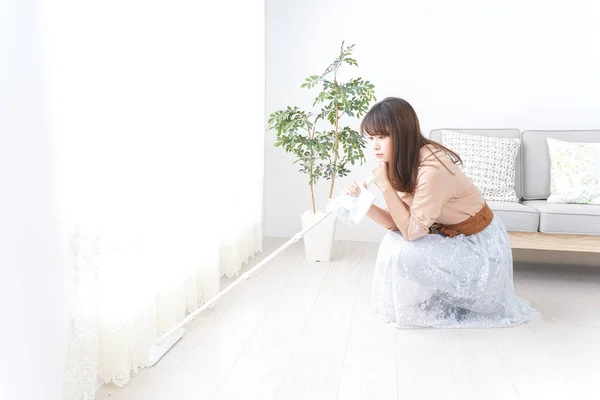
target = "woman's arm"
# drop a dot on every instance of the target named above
(426, 205)
(398, 213)
(382, 217)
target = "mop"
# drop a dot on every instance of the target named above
(349, 209)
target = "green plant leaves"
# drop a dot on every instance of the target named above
(311, 81)
(315, 150)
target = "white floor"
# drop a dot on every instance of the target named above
(300, 330)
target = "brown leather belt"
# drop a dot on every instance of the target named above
(470, 226)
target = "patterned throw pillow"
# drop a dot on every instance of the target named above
(574, 172)
(489, 161)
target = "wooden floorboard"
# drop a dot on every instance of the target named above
(302, 330)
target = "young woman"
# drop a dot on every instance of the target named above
(446, 261)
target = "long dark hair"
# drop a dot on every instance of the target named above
(395, 117)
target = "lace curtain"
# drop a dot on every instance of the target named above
(130, 288)
(160, 169)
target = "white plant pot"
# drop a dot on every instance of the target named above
(319, 240)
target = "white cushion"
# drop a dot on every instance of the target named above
(436, 135)
(574, 172)
(536, 158)
(489, 161)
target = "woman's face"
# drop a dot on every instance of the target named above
(382, 147)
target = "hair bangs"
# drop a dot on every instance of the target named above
(374, 124)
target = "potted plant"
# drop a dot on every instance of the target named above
(322, 147)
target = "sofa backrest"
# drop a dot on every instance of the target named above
(536, 158)
(436, 135)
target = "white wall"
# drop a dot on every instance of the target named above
(33, 328)
(526, 64)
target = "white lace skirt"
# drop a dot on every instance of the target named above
(437, 281)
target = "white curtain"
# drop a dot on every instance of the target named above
(159, 155)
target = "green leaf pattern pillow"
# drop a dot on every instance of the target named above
(574, 172)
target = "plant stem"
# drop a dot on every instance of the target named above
(312, 159)
(336, 143)
(312, 196)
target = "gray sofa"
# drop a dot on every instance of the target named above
(533, 222)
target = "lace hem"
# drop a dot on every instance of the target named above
(419, 222)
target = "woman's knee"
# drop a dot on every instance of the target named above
(395, 247)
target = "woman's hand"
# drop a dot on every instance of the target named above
(380, 177)
(354, 189)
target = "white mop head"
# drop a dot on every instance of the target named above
(351, 209)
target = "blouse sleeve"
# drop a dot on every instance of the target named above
(432, 191)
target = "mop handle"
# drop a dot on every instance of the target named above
(241, 279)
(300, 234)
(245, 276)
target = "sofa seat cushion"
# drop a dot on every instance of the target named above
(516, 216)
(582, 219)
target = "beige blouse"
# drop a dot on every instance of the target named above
(443, 194)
